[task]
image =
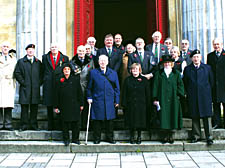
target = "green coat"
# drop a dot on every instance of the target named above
(168, 92)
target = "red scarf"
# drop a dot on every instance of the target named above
(52, 60)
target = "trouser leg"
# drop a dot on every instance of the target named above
(223, 115)
(216, 114)
(207, 128)
(109, 129)
(24, 116)
(75, 130)
(196, 128)
(1, 118)
(97, 129)
(8, 117)
(66, 131)
(33, 116)
(50, 117)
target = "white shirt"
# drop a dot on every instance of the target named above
(167, 71)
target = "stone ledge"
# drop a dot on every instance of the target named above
(104, 147)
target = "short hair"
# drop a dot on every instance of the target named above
(168, 38)
(130, 45)
(118, 34)
(134, 65)
(185, 40)
(108, 36)
(81, 47)
(54, 44)
(5, 43)
(176, 49)
(217, 39)
(91, 39)
(157, 33)
(138, 39)
(103, 57)
(87, 46)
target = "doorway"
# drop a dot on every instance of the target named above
(127, 17)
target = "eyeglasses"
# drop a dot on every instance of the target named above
(184, 43)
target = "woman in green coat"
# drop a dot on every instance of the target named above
(167, 90)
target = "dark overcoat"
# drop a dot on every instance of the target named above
(115, 60)
(198, 85)
(50, 76)
(136, 101)
(103, 94)
(29, 76)
(69, 97)
(168, 92)
(147, 65)
(218, 69)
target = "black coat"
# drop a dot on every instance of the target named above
(136, 101)
(69, 97)
(198, 84)
(218, 68)
(29, 77)
(148, 64)
(50, 76)
(115, 60)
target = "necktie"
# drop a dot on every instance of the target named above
(6, 58)
(218, 54)
(109, 52)
(184, 55)
(156, 50)
(141, 57)
(31, 60)
(54, 59)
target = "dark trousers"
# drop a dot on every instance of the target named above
(196, 127)
(25, 115)
(217, 114)
(50, 117)
(97, 127)
(75, 127)
(84, 116)
(6, 118)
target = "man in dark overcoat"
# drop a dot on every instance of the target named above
(198, 82)
(28, 73)
(52, 69)
(156, 47)
(114, 55)
(103, 93)
(216, 60)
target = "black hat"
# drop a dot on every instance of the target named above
(196, 51)
(166, 58)
(30, 46)
(66, 65)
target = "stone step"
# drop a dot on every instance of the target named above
(122, 135)
(104, 147)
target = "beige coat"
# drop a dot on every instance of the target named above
(7, 83)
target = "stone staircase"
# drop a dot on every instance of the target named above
(51, 141)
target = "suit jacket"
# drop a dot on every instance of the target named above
(50, 76)
(163, 49)
(187, 56)
(218, 68)
(115, 59)
(198, 84)
(147, 65)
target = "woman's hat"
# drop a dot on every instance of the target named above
(166, 58)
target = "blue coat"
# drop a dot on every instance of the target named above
(198, 84)
(102, 93)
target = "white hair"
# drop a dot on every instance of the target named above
(54, 44)
(81, 47)
(6, 43)
(91, 39)
(218, 40)
(103, 57)
(87, 46)
(157, 33)
(139, 39)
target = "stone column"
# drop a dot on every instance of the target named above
(203, 20)
(40, 22)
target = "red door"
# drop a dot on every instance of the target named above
(157, 18)
(83, 21)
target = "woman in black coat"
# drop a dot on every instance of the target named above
(69, 102)
(136, 99)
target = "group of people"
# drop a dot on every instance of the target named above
(155, 85)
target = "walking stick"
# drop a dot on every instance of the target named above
(89, 112)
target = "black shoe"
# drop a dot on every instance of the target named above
(209, 141)
(76, 142)
(66, 142)
(35, 128)
(111, 141)
(96, 141)
(194, 140)
(171, 140)
(132, 140)
(165, 140)
(139, 140)
(9, 129)
(23, 128)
